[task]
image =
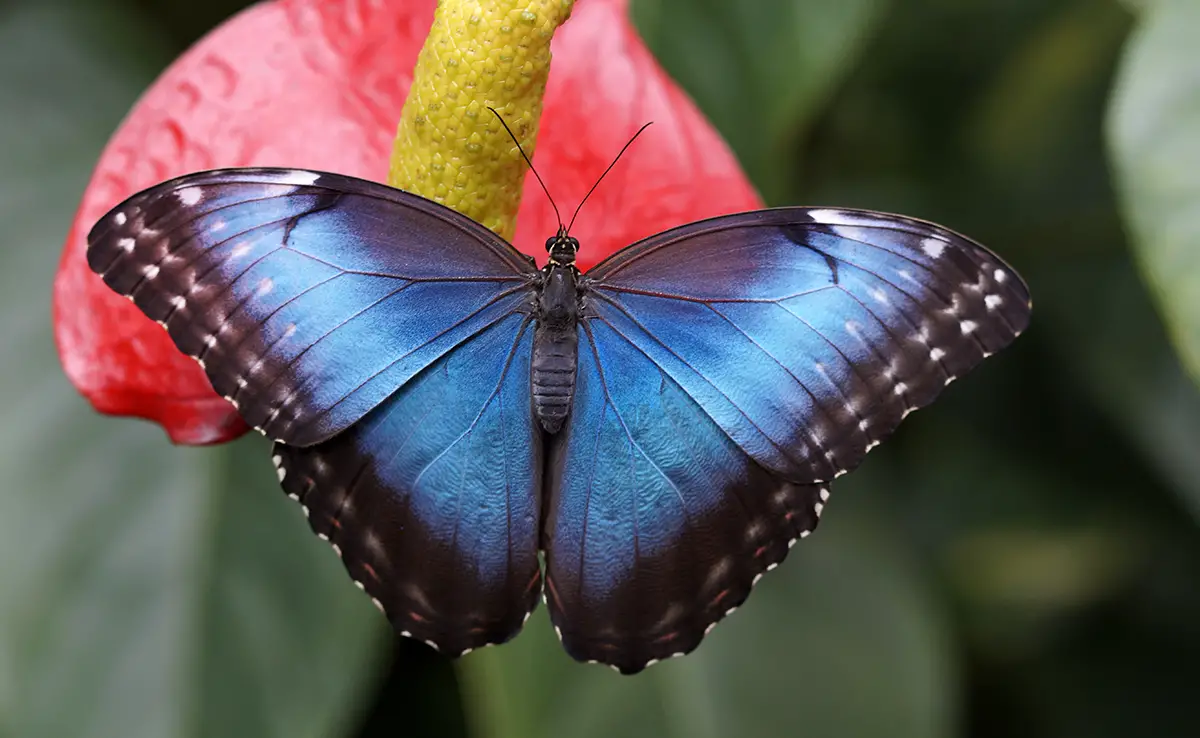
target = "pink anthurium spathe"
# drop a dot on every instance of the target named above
(319, 84)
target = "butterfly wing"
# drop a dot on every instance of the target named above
(657, 523)
(729, 370)
(309, 298)
(431, 499)
(385, 340)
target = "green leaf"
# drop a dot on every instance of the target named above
(842, 640)
(147, 590)
(1153, 124)
(760, 71)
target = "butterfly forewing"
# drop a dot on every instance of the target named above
(309, 298)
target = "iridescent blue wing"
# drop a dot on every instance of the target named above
(431, 499)
(657, 522)
(309, 298)
(729, 370)
(385, 340)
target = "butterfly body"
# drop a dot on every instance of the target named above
(662, 428)
(556, 341)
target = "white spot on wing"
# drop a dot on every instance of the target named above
(297, 177)
(265, 286)
(968, 326)
(1000, 275)
(120, 219)
(829, 217)
(189, 196)
(933, 247)
(126, 244)
(993, 301)
(936, 354)
(151, 271)
(832, 216)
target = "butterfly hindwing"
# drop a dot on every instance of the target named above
(431, 499)
(728, 371)
(307, 297)
(657, 524)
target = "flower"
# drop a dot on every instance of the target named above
(320, 84)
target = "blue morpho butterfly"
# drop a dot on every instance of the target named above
(662, 429)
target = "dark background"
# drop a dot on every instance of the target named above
(1022, 559)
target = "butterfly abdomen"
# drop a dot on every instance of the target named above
(555, 348)
(553, 376)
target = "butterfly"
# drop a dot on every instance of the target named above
(636, 444)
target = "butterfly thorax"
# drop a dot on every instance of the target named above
(555, 341)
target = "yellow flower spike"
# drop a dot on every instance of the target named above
(449, 146)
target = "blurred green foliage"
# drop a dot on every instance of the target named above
(1022, 559)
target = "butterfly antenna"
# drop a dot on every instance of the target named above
(530, 163)
(602, 176)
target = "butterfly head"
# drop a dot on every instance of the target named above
(562, 248)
